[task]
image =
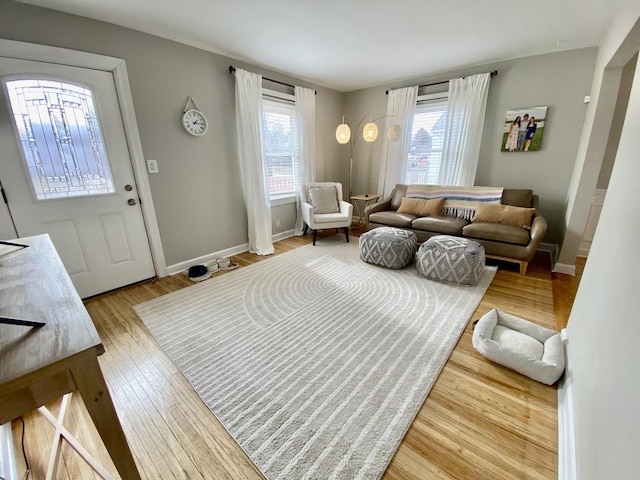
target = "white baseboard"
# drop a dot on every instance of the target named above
(565, 268)
(227, 252)
(282, 235)
(551, 249)
(566, 423)
(583, 250)
(7, 453)
(548, 247)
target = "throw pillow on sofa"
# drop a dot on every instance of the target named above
(504, 214)
(420, 207)
(324, 199)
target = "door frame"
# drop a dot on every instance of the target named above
(117, 67)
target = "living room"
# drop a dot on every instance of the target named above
(200, 176)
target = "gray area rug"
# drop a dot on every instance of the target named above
(314, 361)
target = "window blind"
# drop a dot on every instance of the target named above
(427, 140)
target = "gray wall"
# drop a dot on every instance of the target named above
(559, 80)
(197, 194)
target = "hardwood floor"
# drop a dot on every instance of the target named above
(480, 421)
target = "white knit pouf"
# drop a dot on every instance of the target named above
(450, 259)
(388, 247)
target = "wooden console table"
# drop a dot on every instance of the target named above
(39, 365)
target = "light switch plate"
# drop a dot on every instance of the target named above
(152, 166)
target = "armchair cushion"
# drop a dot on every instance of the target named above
(331, 218)
(324, 199)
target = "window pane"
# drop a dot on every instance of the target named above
(280, 174)
(427, 140)
(60, 138)
(279, 139)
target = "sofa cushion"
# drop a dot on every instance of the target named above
(392, 219)
(518, 197)
(506, 214)
(420, 207)
(324, 199)
(444, 225)
(497, 232)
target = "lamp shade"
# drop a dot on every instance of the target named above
(370, 132)
(394, 132)
(343, 133)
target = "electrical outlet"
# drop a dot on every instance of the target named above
(152, 166)
(278, 224)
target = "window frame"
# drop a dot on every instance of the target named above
(272, 99)
(422, 101)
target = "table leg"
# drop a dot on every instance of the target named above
(56, 445)
(97, 399)
(359, 214)
(63, 434)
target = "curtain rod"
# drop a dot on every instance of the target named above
(493, 74)
(232, 70)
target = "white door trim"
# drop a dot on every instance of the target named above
(567, 459)
(592, 221)
(117, 66)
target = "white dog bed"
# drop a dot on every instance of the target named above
(525, 347)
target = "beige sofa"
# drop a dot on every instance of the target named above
(501, 241)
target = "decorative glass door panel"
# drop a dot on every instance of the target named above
(60, 138)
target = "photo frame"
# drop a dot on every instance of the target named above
(518, 136)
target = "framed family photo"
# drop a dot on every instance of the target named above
(523, 129)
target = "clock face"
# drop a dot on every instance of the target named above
(194, 122)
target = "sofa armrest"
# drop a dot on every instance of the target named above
(538, 229)
(376, 207)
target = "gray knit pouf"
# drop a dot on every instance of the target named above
(388, 247)
(450, 259)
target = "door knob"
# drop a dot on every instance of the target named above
(131, 201)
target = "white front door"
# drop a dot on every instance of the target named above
(66, 171)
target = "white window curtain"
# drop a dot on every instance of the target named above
(465, 120)
(306, 118)
(401, 106)
(249, 127)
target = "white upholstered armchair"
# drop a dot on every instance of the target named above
(323, 208)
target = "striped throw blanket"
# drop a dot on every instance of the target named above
(459, 201)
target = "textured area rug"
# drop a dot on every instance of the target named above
(314, 361)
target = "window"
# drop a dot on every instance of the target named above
(60, 138)
(280, 145)
(427, 141)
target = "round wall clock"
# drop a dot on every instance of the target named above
(193, 120)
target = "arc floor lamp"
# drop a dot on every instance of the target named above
(369, 133)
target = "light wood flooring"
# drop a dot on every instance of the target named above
(480, 421)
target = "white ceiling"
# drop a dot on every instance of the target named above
(351, 44)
